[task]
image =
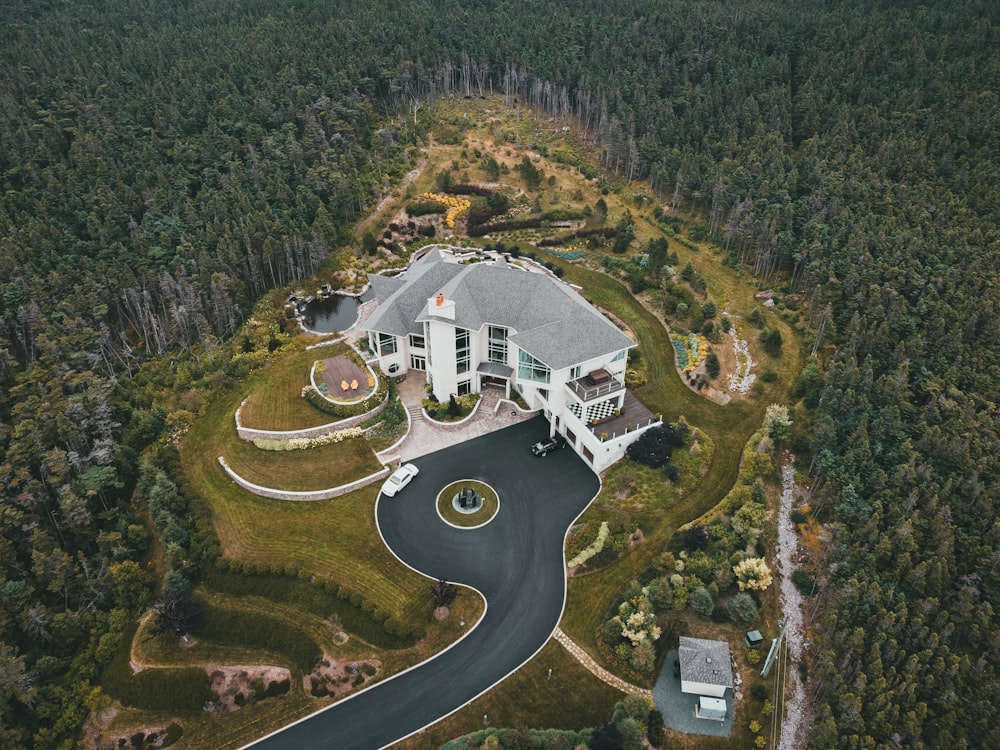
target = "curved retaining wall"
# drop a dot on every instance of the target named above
(303, 496)
(248, 433)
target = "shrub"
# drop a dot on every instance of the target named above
(804, 582)
(752, 573)
(700, 600)
(742, 609)
(696, 537)
(655, 446)
(655, 729)
(712, 366)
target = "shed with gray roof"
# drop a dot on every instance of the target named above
(706, 666)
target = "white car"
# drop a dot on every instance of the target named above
(399, 479)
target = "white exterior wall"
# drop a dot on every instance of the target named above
(399, 358)
(441, 342)
(703, 688)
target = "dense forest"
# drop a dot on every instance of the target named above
(164, 165)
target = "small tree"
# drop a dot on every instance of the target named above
(600, 211)
(175, 612)
(444, 593)
(772, 341)
(701, 601)
(742, 609)
(655, 729)
(753, 574)
(368, 243)
(777, 421)
(712, 366)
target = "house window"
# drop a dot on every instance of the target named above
(464, 386)
(618, 357)
(417, 363)
(498, 344)
(575, 372)
(544, 393)
(529, 368)
(462, 357)
(417, 341)
(386, 344)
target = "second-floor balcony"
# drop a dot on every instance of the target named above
(594, 385)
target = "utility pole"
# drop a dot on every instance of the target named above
(775, 646)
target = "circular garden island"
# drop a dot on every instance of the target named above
(467, 504)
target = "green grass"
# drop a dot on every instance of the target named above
(276, 402)
(489, 507)
(305, 469)
(728, 427)
(572, 699)
(335, 540)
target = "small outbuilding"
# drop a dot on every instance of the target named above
(713, 709)
(754, 639)
(706, 667)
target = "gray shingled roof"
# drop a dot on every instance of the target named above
(554, 324)
(705, 661)
(405, 296)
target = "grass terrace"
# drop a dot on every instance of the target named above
(276, 402)
(304, 469)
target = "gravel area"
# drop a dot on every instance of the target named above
(797, 711)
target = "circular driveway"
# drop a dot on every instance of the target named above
(515, 561)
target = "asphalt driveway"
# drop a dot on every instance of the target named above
(515, 561)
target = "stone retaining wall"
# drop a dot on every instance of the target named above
(303, 496)
(247, 433)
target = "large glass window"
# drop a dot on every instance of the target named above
(417, 341)
(386, 344)
(462, 358)
(498, 344)
(529, 368)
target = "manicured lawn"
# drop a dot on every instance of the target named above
(334, 540)
(572, 699)
(487, 509)
(305, 469)
(276, 401)
(728, 426)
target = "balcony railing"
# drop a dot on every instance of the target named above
(586, 391)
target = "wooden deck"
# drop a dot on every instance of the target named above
(340, 370)
(634, 413)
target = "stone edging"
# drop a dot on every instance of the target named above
(248, 433)
(302, 496)
(451, 425)
(596, 669)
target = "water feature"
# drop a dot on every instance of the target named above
(336, 312)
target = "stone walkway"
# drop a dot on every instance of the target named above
(493, 413)
(596, 669)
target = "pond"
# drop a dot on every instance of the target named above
(336, 312)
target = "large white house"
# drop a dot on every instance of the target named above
(469, 320)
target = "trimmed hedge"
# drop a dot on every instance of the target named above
(425, 208)
(322, 601)
(258, 630)
(180, 689)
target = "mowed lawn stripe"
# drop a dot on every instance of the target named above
(305, 469)
(728, 426)
(276, 402)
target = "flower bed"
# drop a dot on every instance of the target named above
(691, 350)
(456, 206)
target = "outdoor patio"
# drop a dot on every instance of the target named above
(342, 371)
